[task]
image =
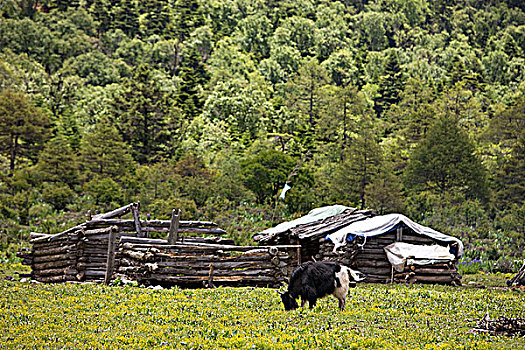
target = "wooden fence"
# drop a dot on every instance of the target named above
(107, 246)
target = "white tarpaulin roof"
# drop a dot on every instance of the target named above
(313, 215)
(401, 254)
(379, 225)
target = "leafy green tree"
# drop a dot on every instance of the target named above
(147, 117)
(23, 127)
(253, 33)
(445, 161)
(265, 173)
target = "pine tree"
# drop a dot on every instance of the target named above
(391, 85)
(58, 163)
(193, 76)
(147, 117)
(104, 153)
(189, 16)
(126, 17)
(445, 161)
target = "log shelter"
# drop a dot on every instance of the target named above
(365, 253)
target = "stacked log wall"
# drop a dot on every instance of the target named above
(197, 265)
(370, 258)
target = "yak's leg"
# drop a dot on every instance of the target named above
(303, 302)
(342, 303)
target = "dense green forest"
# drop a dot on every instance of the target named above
(211, 106)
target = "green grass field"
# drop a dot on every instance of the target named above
(89, 316)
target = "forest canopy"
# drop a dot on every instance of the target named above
(407, 106)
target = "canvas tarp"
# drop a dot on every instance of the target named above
(401, 254)
(379, 225)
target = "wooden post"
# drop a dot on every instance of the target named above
(90, 217)
(136, 218)
(399, 234)
(299, 255)
(174, 226)
(111, 254)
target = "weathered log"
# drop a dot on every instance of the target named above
(110, 264)
(54, 264)
(56, 271)
(432, 279)
(218, 264)
(216, 279)
(115, 213)
(55, 279)
(173, 234)
(56, 257)
(55, 250)
(216, 272)
(374, 263)
(136, 220)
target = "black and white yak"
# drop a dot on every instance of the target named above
(315, 280)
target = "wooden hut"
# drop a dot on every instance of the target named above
(368, 242)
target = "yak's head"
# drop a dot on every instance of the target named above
(288, 302)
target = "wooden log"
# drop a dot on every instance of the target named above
(370, 256)
(216, 279)
(54, 264)
(374, 263)
(173, 234)
(216, 272)
(56, 257)
(62, 235)
(218, 264)
(199, 246)
(110, 264)
(55, 271)
(115, 213)
(136, 219)
(55, 250)
(434, 271)
(55, 279)
(432, 279)
(374, 270)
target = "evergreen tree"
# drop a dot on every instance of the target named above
(510, 178)
(391, 84)
(445, 161)
(126, 17)
(193, 76)
(359, 169)
(147, 117)
(58, 163)
(104, 153)
(189, 16)
(155, 17)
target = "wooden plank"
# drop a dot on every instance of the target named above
(173, 234)
(136, 219)
(111, 255)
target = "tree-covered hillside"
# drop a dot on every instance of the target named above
(408, 106)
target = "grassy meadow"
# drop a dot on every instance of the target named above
(91, 316)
